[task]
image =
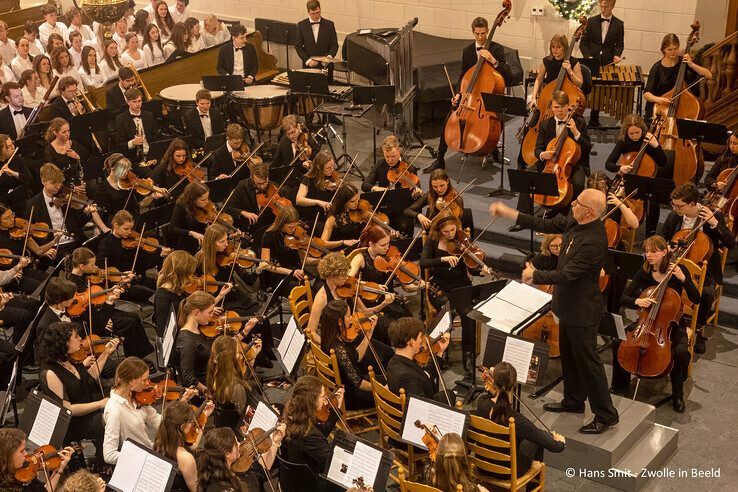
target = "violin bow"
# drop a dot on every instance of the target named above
(463, 252)
(275, 193)
(233, 267)
(520, 400)
(106, 273)
(608, 214)
(402, 258)
(251, 154)
(369, 340)
(343, 178)
(458, 194)
(438, 368)
(28, 232)
(339, 414)
(297, 156)
(310, 241)
(138, 248)
(88, 334)
(183, 178)
(220, 211)
(64, 221)
(375, 209)
(407, 169)
(252, 372)
(263, 461)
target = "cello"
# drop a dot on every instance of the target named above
(562, 83)
(566, 154)
(471, 129)
(689, 164)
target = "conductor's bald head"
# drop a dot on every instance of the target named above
(589, 206)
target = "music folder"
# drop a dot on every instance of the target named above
(291, 348)
(353, 458)
(431, 413)
(140, 469)
(165, 343)
(44, 421)
(513, 308)
(529, 358)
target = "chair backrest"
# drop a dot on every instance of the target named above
(407, 486)
(327, 368)
(698, 273)
(296, 476)
(301, 298)
(390, 409)
(492, 448)
(355, 252)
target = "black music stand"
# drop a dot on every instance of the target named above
(306, 85)
(702, 131)
(95, 120)
(156, 217)
(278, 32)
(214, 142)
(377, 96)
(220, 188)
(649, 189)
(624, 267)
(227, 84)
(505, 106)
(532, 183)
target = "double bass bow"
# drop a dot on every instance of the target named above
(471, 129)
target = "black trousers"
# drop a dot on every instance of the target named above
(584, 374)
(129, 327)
(18, 314)
(679, 352)
(708, 295)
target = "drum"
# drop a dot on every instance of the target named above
(182, 96)
(262, 107)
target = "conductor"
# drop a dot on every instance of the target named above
(576, 301)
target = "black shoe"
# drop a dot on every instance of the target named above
(699, 344)
(559, 408)
(596, 426)
(437, 164)
(678, 403)
(515, 228)
(30, 369)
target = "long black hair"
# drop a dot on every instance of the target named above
(505, 377)
(331, 322)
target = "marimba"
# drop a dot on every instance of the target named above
(618, 91)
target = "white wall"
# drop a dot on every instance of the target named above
(646, 21)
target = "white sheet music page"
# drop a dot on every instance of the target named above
(264, 418)
(339, 465)
(446, 419)
(518, 353)
(291, 344)
(138, 470)
(364, 463)
(45, 423)
(168, 341)
(443, 326)
(510, 307)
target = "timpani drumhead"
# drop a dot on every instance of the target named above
(262, 106)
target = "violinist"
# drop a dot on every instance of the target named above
(227, 380)
(495, 56)
(77, 389)
(172, 166)
(124, 418)
(282, 260)
(135, 128)
(354, 357)
(84, 481)
(16, 311)
(663, 74)
(550, 129)
(58, 296)
(408, 339)
(600, 181)
(447, 270)
(339, 226)
(306, 438)
(80, 265)
(244, 204)
(452, 465)
(292, 143)
(13, 455)
(184, 230)
(177, 421)
(66, 154)
(203, 121)
(441, 195)
(658, 259)
(377, 179)
(687, 212)
(110, 194)
(229, 156)
(192, 348)
(13, 172)
(633, 134)
(498, 406)
(214, 460)
(726, 160)
(317, 188)
(111, 250)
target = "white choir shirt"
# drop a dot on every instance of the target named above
(206, 123)
(196, 45)
(36, 48)
(84, 30)
(20, 65)
(91, 80)
(237, 61)
(61, 314)
(33, 100)
(8, 75)
(153, 56)
(76, 57)
(56, 214)
(20, 121)
(121, 42)
(177, 16)
(45, 30)
(126, 58)
(124, 420)
(8, 50)
(69, 72)
(605, 27)
(108, 72)
(212, 39)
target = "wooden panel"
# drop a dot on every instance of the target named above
(8, 5)
(19, 17)
(731, 21)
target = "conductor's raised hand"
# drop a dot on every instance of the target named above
(527, 275)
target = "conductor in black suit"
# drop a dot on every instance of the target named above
(203, 121)
(14, 116)
(577, 302)
(246, 64)
(603, 40)
(495, 56)
(316, 36)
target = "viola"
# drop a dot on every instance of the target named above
(43, 458)
(471, 129)
(7, 257)
(451, 201)
(364, 212)
(97, 295)
(77, 201)
(303, 147)
(148, 244)
(487, 378)
(165, 388)
(272, 199)
(407, 272)
(473, 256)
(360, 323)
(369, 291)
(91, 345)
(143, 186)
(39, 230)
(423, 356)
(241, 155)
(257, 442)
(208, 284)
(301, 241)
(324, 412)
(200, 420)
(400, 174)
(430, 438)
(189, 169)
(562, 83)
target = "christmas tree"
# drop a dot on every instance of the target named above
(573, 9)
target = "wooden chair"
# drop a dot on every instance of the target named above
(301, 298)
(390, 409)
(698, 273)
(354, 253)
(713, 318)
(328, 373)
(492, 452)
(407, 486)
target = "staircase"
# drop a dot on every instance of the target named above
(719, 95)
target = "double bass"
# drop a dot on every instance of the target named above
(562, 83)
(689, 164)
(471, 129)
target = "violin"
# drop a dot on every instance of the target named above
(301, 241)
(246, 257)
(211, 215)
(78, 201)
(364, 211)
(473, 256)
(407, 272)
(192, 171)
(431, 438)
(332, 182)
(241, 155)
(143, 186)
(423, 356)
(200, 420)
(400, 174)
(369, 291)
(43, 458)
(304, 151)
(470, 128)
(545, 329)
(487, 378)
(112, 274)
(324, 412)
(97, 295)
(165, 388)
(562, 83)
(148, 244)
(92, 345)
(208, 284)
(7, 257)
(39, 230)
(359, 323)
(272, 199)
(230, 323)
(724, 201)
(450, 201)
(257, 442)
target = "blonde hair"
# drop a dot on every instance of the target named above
(452, 464)
(177, 270)
(559, 39)
(547, 240)
(289, 121)
(389, 143)
(196, 301)
(49, 172)
(333, 265)
(223, 369)
(207, 256)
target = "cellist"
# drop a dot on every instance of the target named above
(495, 56)
(687, 211)
(550, 66)
(658, 261)
(550, 129)
(727, 160)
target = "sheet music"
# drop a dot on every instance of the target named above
(446, 419)
(510, 307)
(364, 463)
(518, 353)
(45, 423)
(264, 418)
(443, 326)
(619, 326)
(290, 345)
(9, 394)
(339, 465)
(140, 470)
(168, 341)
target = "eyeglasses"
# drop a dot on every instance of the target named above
(678, 205)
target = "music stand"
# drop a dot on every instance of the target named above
(376, 95)
(649, 189)
(214, 142)
(156, 217)
(220, 188)
(95, 120)
(333, 108)
(702, 131)
(159, 148)
(532, 183)
(624, 267)
(44, 421)
(227, 84)
(306, 85)
(506, 105)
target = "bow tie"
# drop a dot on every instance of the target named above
(17, 112)
(238, 49)
(314, 23)
(52, 204)
(560, 122)
(136, 116)
(204, 116)
(606, 20)
(480, 48)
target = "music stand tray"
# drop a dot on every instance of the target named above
(223, 83)
(507, 105)
(649, 189)
(702, 131)
(532, 183)
(308, 83)
(374, 94)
